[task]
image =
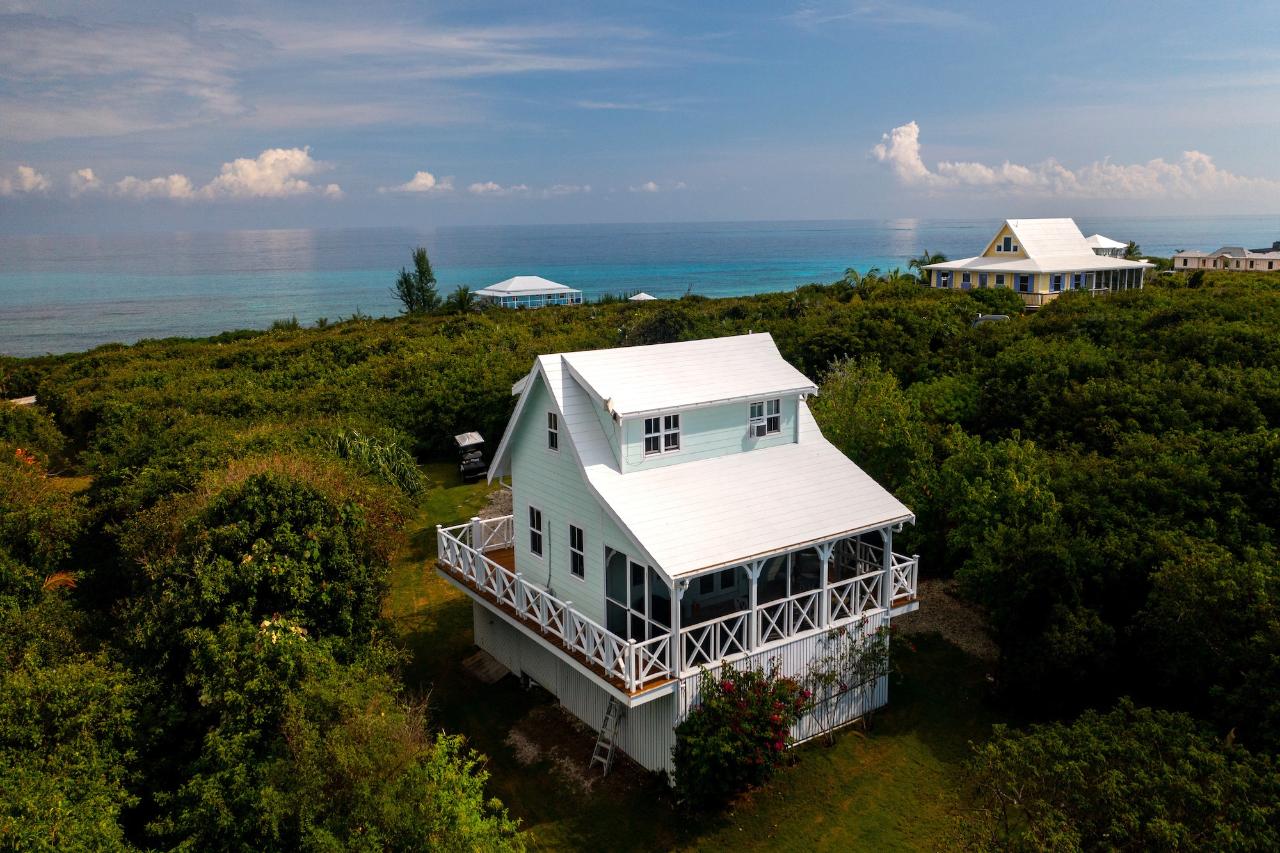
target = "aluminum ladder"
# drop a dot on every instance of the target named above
(606, 741)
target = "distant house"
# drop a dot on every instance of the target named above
(1231, 258)
(1106, 247)
(529, 291)
(1040, 259)
(675, 506)
(642, 297)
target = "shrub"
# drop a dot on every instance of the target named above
(1129, 779)
(735, 736)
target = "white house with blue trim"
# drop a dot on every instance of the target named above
(675, 507)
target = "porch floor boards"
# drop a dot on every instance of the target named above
(506, 557)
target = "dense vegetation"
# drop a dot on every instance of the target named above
(191, 632)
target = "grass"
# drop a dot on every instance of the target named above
(897, 786)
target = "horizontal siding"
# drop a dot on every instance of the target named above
(706, 434)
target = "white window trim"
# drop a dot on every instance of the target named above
(541, 530)
(553, 432)
(581, 552)
(770, 410)
(663, 431)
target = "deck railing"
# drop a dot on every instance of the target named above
(789, 616)
(850, 599)
(708, 643)
(632, 663)
(904, 570)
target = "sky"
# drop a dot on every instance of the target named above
(173, 116)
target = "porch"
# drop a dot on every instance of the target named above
(658, 632)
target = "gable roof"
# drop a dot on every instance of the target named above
(1050, 245)
(525, 285)
(695, 516)
(632, 381)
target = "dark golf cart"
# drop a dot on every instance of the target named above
(472, 466)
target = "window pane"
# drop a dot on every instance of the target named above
(706, 584)
(775, 406)
(616, 619)
(671, 441)
(652, 444)
(615, 575)
(637, 587)
(757, 410)
(673, 422)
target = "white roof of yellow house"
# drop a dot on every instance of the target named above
(694, 516)
(1050, 245)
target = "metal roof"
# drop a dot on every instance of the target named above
(1059, 263)
(1097, 241)
(695, 516)
(663, 377)
(525, 285)
(642, 297)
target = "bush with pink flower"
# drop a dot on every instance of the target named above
(736, 735)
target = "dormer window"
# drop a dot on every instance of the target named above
(553, 431)
(1007, 245)
(661, 434)
(766, 417)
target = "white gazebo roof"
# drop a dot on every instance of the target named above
(642, 297)
(525, 285)
(1097, 241)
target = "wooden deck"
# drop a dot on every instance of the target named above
(506, 557)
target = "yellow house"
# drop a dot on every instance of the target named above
(1040, 259)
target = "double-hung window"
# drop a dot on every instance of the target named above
(1056, 283)
(999, 279)
(577, 553)
(661, 434)
(535, 531)
(1024, 283)
(553, 431)
(766, 417)
(1077, 280)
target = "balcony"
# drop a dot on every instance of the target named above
(783, 601)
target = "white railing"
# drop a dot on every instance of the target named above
(708, 643)
(905, 570)
(789, 616)
(632, 663)
(850, 599)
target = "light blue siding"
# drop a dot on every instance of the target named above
(705, 434)
(551, 481)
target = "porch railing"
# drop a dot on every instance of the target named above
(789, 616)
(632, 663)
(849, 599)
(708, 643)
(904, 570)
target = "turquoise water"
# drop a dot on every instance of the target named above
(64, 293)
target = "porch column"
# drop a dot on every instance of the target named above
(477, 533)
(676, 652)
(753, 623)
(824, 599)
(886, 583)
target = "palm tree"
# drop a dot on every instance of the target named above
(855, 278)
(1132, 250)
(919, 264)
(897, 276)
(461, 301)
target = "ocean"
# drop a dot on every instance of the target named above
(66, 293)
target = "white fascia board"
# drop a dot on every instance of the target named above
(761, 395)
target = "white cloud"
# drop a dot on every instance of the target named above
(492, 188)
(82, 181)
(566, 189)
(174, 186)
(275, 173)
(24, 180)
(1194, 175)
(646, 187)
(422, 182)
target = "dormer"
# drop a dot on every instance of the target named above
(673, 403)
(1005, 244)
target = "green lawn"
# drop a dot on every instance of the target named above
(896, 787)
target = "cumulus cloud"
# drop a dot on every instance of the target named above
(174, 186)
(492, 188)
(24, 180)
(566, 189)
(82, 181)
(1194, 175)
(422, 182)
(275, 173)
(646, 187)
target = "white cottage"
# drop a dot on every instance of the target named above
(676, 506)
(529, 291)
